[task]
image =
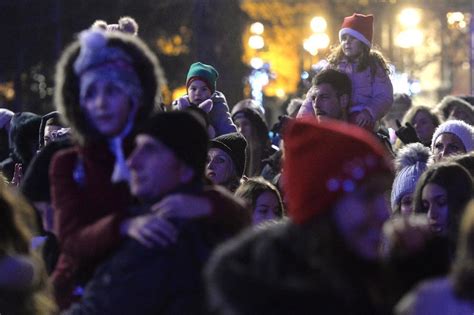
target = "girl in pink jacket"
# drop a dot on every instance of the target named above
(372, 91)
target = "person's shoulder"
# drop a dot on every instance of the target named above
(64, 158)
(254, 238)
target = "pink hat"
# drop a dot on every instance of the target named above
(359, 26)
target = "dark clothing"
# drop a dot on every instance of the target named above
(292, 269)
(163, 280)
(283, 270)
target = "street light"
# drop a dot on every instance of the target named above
(410, 17)
(409, 38)
(256, 62)
(256, 42)
(456, 20)
(257, 28)
(315, 42)
(318, 24)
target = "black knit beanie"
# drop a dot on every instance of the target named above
(184, 134)
(234, 144)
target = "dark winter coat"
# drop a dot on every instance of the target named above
(164, 280)
(283, 270)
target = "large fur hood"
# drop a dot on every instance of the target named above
(447, 104)
(66, 95)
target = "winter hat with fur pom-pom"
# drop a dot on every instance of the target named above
(410, 163)
(125, 24)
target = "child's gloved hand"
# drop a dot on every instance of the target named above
(406, 134)
(183, 103)
(206, 105)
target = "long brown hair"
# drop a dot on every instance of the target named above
(370, 57)
(463, 266)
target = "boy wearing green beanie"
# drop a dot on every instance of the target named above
(201, 88)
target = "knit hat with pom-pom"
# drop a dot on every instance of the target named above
(410, 163)
(126, 24)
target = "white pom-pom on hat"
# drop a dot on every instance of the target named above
(128, 25)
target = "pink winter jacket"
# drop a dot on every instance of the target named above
(374, 93)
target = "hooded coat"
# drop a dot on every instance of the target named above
(88, 207)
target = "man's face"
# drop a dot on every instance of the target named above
(326, 103)
(155, 169)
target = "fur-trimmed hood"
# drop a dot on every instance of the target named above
(67, 97)
(447, 104)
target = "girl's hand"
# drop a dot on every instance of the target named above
(362, 119)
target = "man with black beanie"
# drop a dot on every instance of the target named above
(161, 262)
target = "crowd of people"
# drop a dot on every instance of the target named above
(116, 203)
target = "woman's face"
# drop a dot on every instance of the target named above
(406, 204)
(220, 167)
(447, 144)
(424, 126)
(434, 200)
(266, 207)
(107, 107)
(360, 216)
(351, 46)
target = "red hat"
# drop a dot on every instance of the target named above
(324, 160)
(359, 26)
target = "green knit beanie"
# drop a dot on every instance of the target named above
(200, 71)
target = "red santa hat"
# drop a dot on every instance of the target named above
(359, 26)
(325, 160)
